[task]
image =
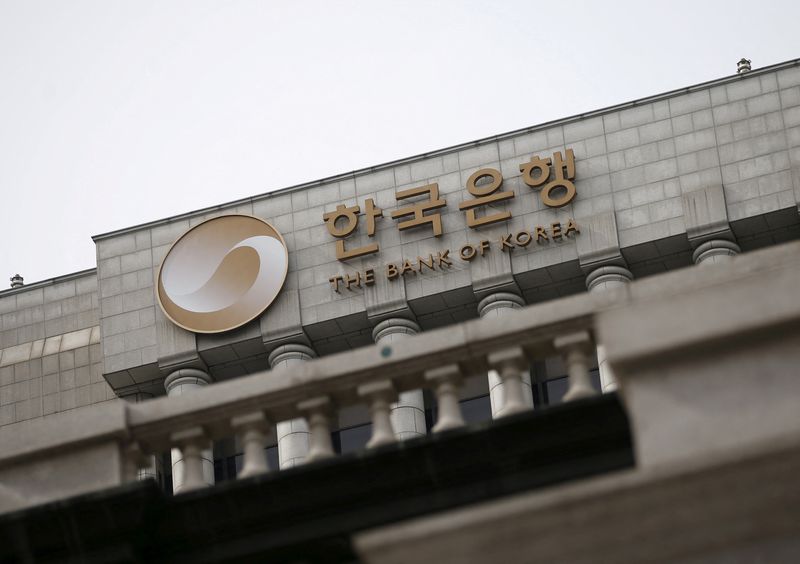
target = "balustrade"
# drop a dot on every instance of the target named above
(377, 382)
(317, 413)
(445, 381)
(252, 430)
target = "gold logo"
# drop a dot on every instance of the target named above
(222, 273)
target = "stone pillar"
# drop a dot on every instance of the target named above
(408, 414)
(715, 251)
(152, 469)
(317, 412)
(598, 280)
(293, 435)
(500, 304)
(180, 382)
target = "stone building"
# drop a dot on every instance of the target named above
(372, 314)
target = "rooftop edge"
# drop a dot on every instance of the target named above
(453, 148)
(47, 282)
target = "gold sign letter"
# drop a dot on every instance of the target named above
(418, 210)
(350, 217)
(537, 172)
(486, 194)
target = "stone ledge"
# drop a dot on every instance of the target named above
(310, 512)
(709, 510)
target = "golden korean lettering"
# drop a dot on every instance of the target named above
(347, 218)
(554, 176)
(537, 171)
(486, 194)
(418, 209)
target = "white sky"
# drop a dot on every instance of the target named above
(116, 113)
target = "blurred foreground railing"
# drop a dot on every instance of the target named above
(374, 376)
(706, 358)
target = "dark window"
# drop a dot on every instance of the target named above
(595, 375)
(352, 438)
(272, 457)
(555, 389)
(225, 468)
(539, 395)
(168, 483)
(477, 409)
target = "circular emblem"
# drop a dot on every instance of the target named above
(222, 273)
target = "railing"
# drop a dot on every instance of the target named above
(438, 360)
(661, 334)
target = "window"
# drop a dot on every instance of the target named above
(352, 438)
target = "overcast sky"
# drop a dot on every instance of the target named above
(116, 113)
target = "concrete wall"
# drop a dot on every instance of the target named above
(635, 162)
(50, 357)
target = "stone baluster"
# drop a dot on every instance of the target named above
(147, 466)
(178, 383)
(500, 304)
(138, 465)
(575, 349)
(599, 280)
(445, 381)
(317, 412)
(252, 430)
(292, 435)
(193, 475)
(715, 251)
(408, 413)
(379, 396)
(510, 365)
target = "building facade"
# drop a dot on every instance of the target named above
(481, 230)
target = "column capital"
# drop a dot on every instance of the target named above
(395, 326)
(176, 347)
(598, 244)
(705, 215)
(715, 248)
(182, 375)
(291, 351)
(608, 273)
(282, 323)
(499, 300)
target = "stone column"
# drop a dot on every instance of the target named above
(180, 382)
(500, 304)
(715, 251)
(408, 414)
(598, 280)
(292, 435)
